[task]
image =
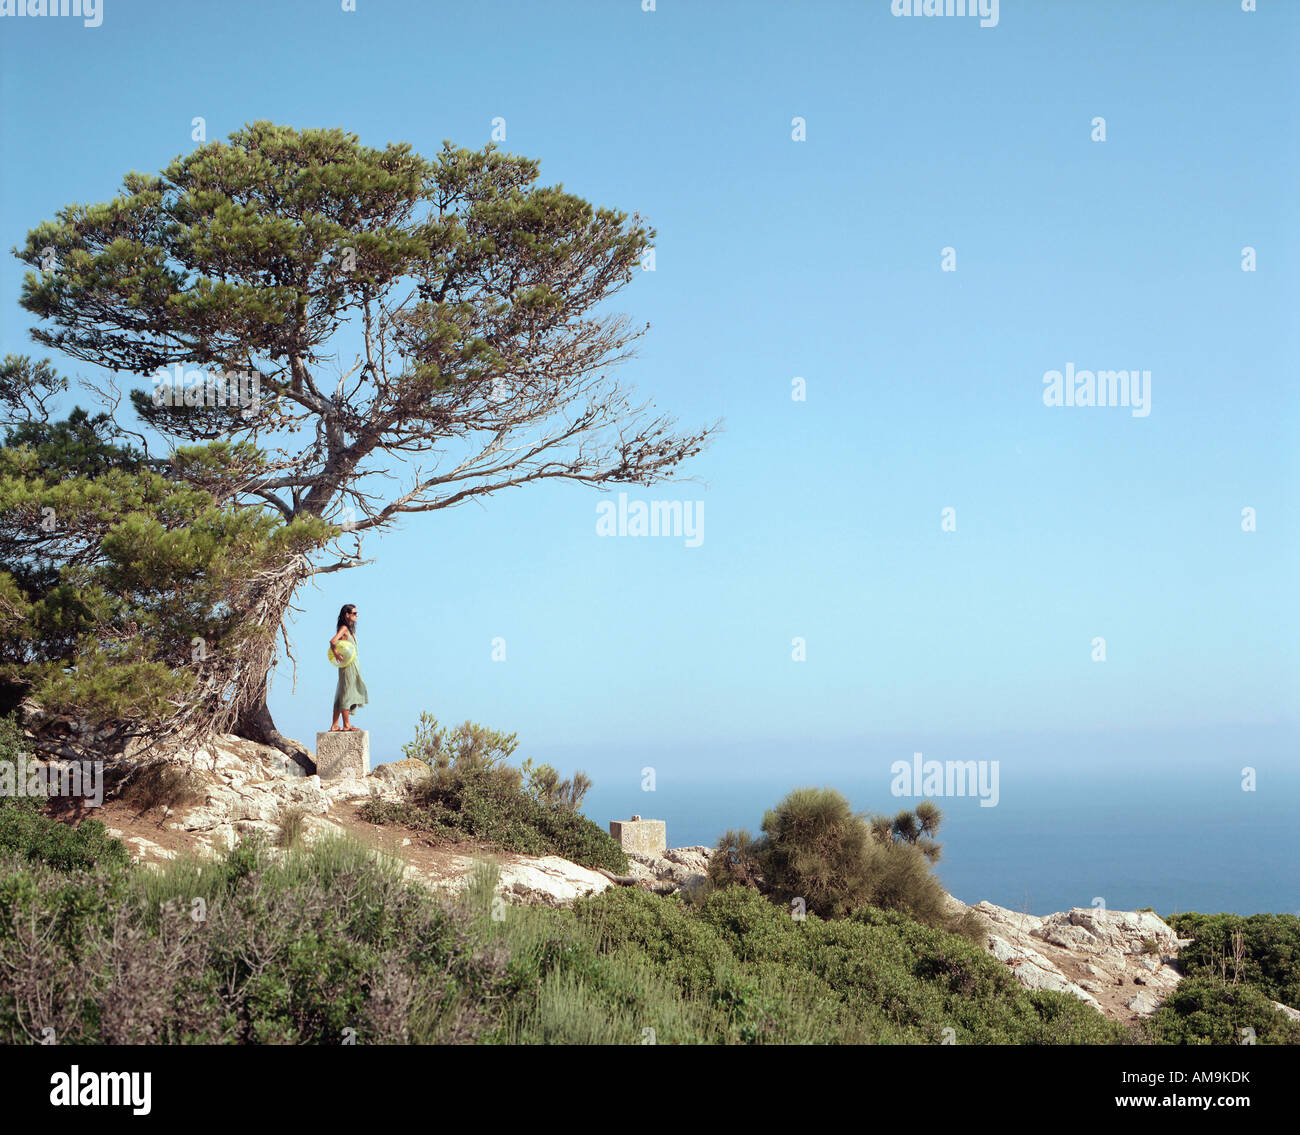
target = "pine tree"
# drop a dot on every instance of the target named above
(464, 289)
(125, 587)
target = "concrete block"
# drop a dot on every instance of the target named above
(343, 754)
(647, 837)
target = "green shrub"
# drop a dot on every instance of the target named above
(816, 848)
(877, 977)
(1201, 1010)
(684, 948)
(26, 832)
(735, 861)
(471, 747)
(326, 944)
(29, 833)
(467, 747)
(486, 804)
(914, 827)
(1268, 957)
(544, 785)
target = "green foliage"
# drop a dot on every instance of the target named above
(113, 568)
(326, 943)
(481, 888)
(472, 793)
(915, 827)
(26, 832)
(465, 748)
(235, 251)
(472, 747)
(29, 834)
(685, 949)
(1266, 956)
(735, 861)
(754, 974)
(816, 848)
(544, 785)
(1202, 1010)
(487, 805)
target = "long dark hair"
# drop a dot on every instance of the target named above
(344, 612)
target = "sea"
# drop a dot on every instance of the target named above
(1221, 835)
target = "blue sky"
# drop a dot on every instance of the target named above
(818, 259)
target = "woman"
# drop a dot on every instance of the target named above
(351, 692)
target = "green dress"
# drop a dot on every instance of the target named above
(351, 692)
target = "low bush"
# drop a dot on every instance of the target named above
(159, 784)
(326, 944)
(762, 976)
(1261, 950)
(28, 832)
(293, 825)
(1202, 1010)
(486, 805)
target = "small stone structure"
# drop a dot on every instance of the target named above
(343, 754)
(645, 837)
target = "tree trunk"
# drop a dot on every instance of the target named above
(255, 724)
(256, 658)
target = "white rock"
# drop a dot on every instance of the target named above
(314, 827)
(1293, 1014)
(305, 792)
(541, 880)
(223, 837)
(401, 775)
(1034, 970)
(1144, 1002)
(1107, 945)
(203, 819)
(145, 848)
(549, 880)
(223, 797)
(352, 788)
(260, 806)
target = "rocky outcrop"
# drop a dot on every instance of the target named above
(244, 787)
(1120, 962)
(1293, 1014)
(545, 880)
(683, 868)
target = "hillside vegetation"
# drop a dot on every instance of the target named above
(327, 943)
